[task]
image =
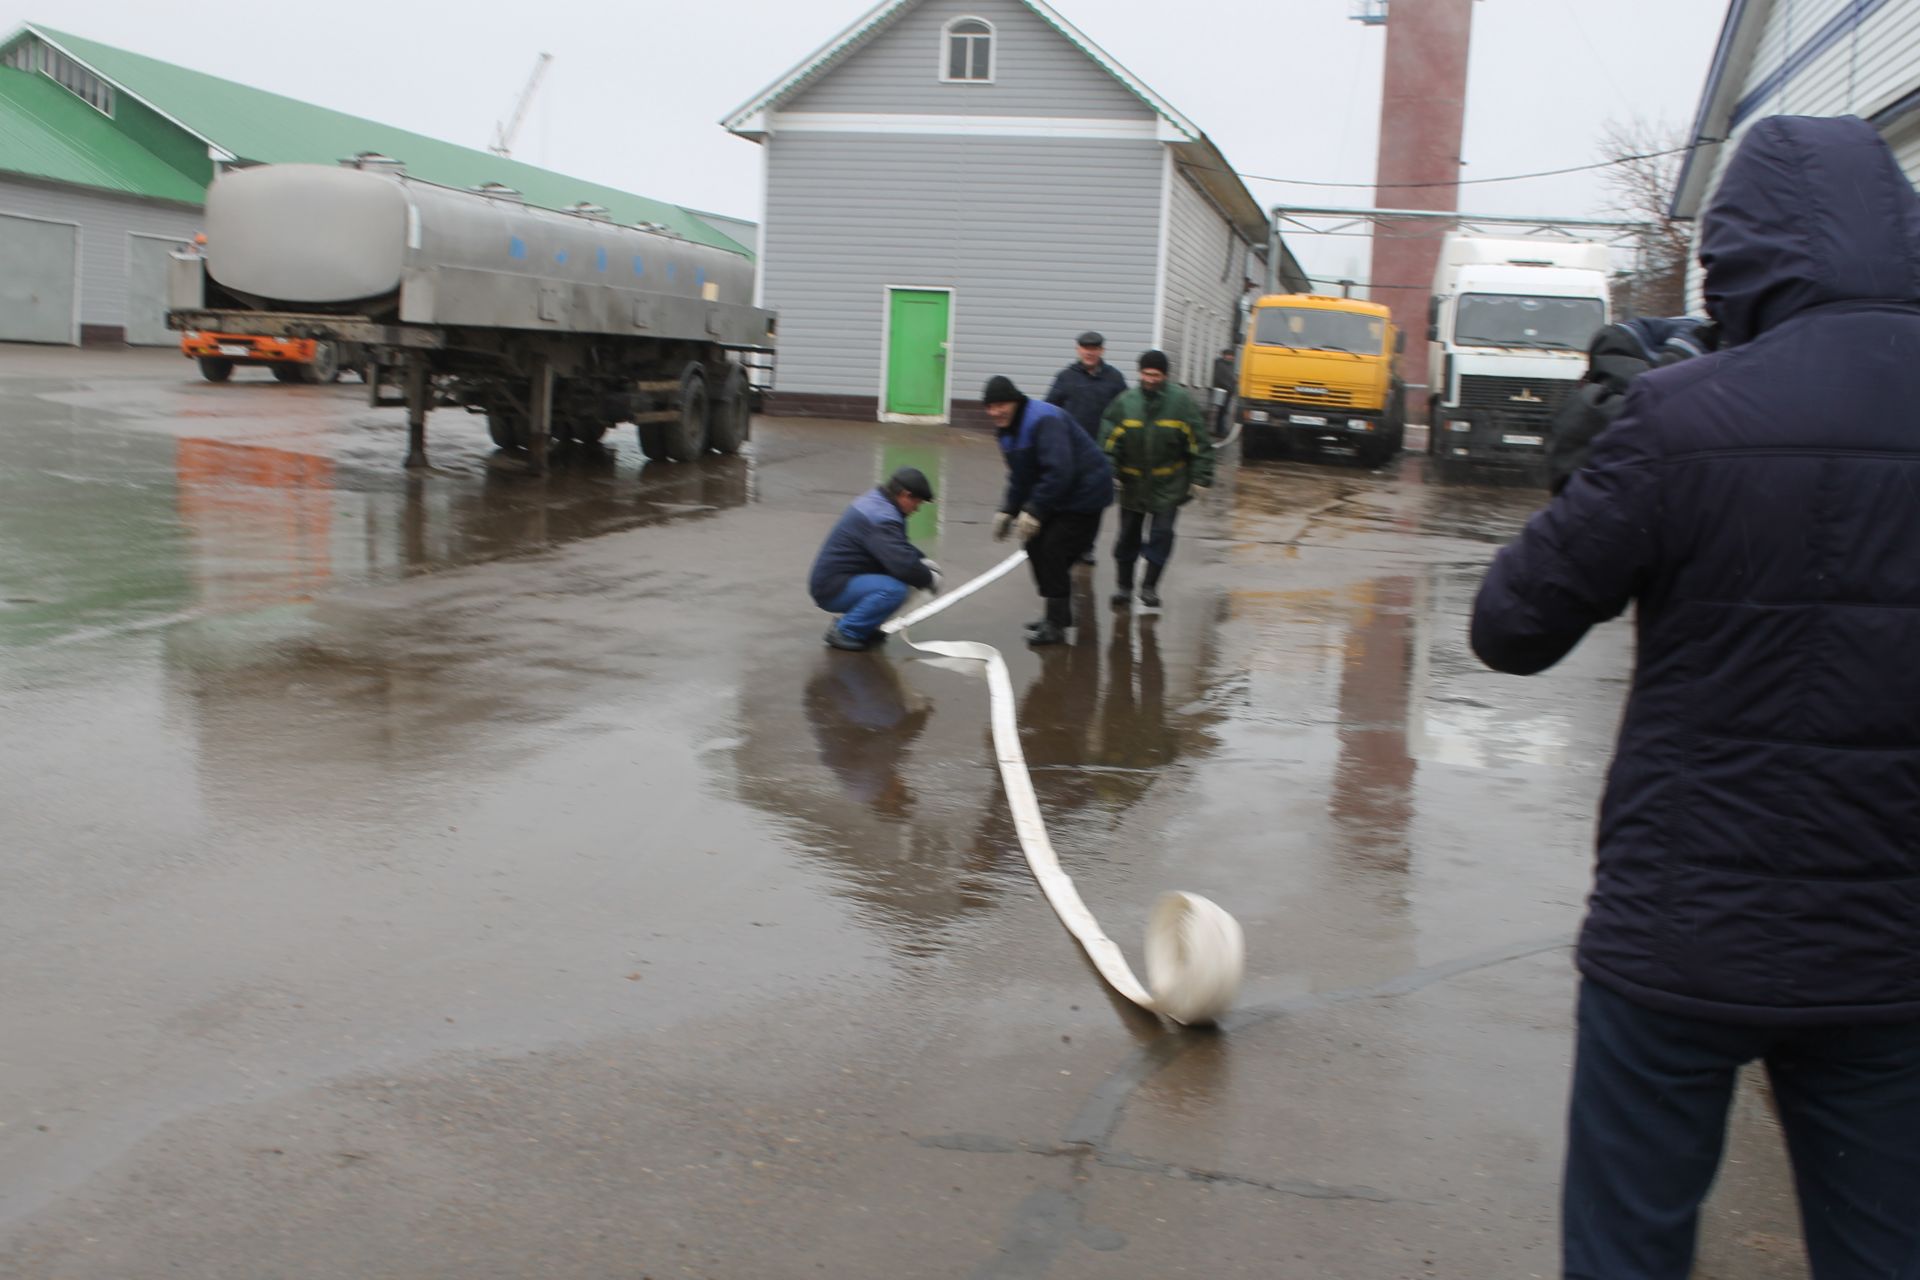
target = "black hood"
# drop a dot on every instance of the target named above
(1812, 210)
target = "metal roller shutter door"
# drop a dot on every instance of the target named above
(38, 280)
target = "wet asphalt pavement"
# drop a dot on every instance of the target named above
(466, 875)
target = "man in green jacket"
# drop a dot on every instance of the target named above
(1162, 458)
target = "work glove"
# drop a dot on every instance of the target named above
(1026, 526)
(1002, 525)
(934, 569)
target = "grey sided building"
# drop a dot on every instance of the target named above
(956, 188)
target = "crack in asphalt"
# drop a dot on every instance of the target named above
(1047, 1220)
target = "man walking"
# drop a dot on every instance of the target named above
(1162, 457)
(1224, 370)
(1757, 893)
(1087, 386)
(1084, 389)
(866, 566)
(1058, 483)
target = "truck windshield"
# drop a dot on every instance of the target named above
(1520, 320)
(1312, 330)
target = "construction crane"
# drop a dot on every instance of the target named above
(504, 134)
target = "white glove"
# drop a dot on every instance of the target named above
(1026, 526)
(934, 569)
(1002, 525)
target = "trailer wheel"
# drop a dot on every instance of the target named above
(733, 414)
(508, 428)
(653, 440)
(686, 436)
(326, 363)
(215, 370)
(586, 430)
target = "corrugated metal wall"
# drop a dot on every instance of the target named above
(105, 225)
(1868, 67)
(1040, 238)
(1205, 265)
(1037, 71)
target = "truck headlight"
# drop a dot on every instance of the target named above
(192, 335)
(1459, 424)
(1256, 415)
(1359, 424)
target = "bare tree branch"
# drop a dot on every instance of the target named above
(1642, 186)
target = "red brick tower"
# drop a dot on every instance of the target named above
(1423, 107)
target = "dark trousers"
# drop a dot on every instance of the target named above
(1158, 547)
(1064, 537)
(1648, 1120)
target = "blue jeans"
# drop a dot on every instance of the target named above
(1648, 1120)
(867, 600)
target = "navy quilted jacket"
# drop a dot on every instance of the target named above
(1759, 844)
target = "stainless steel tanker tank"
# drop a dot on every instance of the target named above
(322, 239)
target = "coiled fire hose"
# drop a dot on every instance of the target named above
(1196, 952)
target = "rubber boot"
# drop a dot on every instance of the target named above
(1148, 596)
(1123, 583)
(1054, 630)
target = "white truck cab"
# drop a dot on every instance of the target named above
(1508, 329)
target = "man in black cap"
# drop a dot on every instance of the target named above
(1084, 389)
(1058, 483)
(866, 567)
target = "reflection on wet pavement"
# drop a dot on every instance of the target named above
(490, 829)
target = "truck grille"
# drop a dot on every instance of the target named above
(1304, 393)
(1514, 400)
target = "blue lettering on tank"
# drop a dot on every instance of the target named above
(700, 278)
(673, 269)
(600, 259)
(561, 257)
(516, 247)
(639, 267)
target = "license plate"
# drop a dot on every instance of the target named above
(1307, 420)
(1522, 439)
(229, 349)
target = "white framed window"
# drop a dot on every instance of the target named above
(966, 51)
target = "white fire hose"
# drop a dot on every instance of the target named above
(1196, 952)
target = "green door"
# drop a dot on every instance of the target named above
(917, 352)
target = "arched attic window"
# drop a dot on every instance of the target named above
(967, 51)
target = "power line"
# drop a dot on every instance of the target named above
(1467, 182)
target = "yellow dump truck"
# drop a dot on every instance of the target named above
(1320, 375)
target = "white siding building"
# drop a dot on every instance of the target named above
(1806, 58)
(956, 188)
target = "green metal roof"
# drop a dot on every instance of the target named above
(267, 128)
(46, 132)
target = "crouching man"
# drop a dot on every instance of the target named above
(866, 567)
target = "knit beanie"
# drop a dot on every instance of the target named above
(1000, 390)
(1154, 360)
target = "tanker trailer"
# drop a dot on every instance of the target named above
(549, 323)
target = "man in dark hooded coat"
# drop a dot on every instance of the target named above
(1757, 889)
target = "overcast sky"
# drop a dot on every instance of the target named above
(1287, 88)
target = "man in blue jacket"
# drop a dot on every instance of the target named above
(1757, 891)
(866, 567)
(1058, 483)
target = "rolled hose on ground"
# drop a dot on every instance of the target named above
(1196, 951)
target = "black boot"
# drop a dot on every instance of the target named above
(1059, 618)
(1123, 584)
(1148, 596)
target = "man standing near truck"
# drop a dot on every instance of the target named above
(1058, 483)
(1162, 458)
